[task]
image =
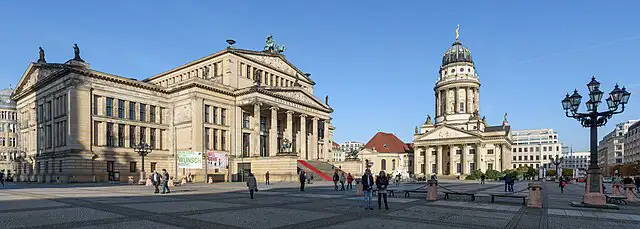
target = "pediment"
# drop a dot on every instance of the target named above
(34, 73)
(445, 132)
(301, 96)
(277, 63)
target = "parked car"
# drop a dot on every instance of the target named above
(607, 180)
(550, 178)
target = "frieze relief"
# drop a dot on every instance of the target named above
(297, 96)
(274, 62)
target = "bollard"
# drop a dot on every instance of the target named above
(535, 195)
(616, 189)
(148, 182)
(432, 192)
(629, 192)
(359, 191)
(210, 180)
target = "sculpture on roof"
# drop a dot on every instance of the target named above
(457, 32)
(41, 58)
(484, 119)
(271, 46)
(76, 52)
(428, 121)
(416, 130)
(505, 122)
(326, 100)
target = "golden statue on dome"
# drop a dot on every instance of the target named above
(457, 32)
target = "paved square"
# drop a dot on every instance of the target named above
(262, 218)
(164, 207)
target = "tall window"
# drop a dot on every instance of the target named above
(143, 112)
(207, 144)
(458, 151)
(152, 138)
(461, 107)
(120, 135)
(434, 167)
(152, 113)
(223, 140)
(472, 151)
(245, 144)
(109, 107)
(120, 108)
(383, 164)
(143, 134)
(245, 121)
(263, 146)
(95, 105)
(132, 167)
(223, 116)
(490, 166)
(215, 139)
(263, 123)
(132, 136)
(96, 130)
(490, 151)
(393, 164)
(458, 168)
(109, 134)
(472, 166)
(514, 158)
(215, 115)
(132, 111)
(206, 113)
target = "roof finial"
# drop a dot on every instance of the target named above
(458, 32)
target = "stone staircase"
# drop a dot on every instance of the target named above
(324, 169)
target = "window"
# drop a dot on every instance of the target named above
(544, 157)
(520, 150)
(514, 150)
(459, 168)
(143, 112)
(223, 140)
(537, 157)
(557, 148)
(525, 149)
(458, 151)
(514, 158)
(514, 166)
(434, 168)
(109, 107)
(120, 135)
(263, 123)
(490, 151)
(263, 146)
(245, 120)
(472, 166)
(223, 116)
(96, 130)
(152, 138)
(461, 107)
(109, 134)
(471, 151)
(215, 139)
(152, 113)
(519, 158)
(153, 166)
(537, 166)
(206, 113)
(422, 153)
(393, 164)
(489, 166)
(383, 164)
(143, 134)
(544, 149)
(132, 111)
(132, 136)
(207, 146)
(60, 166)
(3, 142)
(110, 166)
(215, 115)
(120, 108)
(245, 144)
(95, 106)
(422, 168)
(132, 167)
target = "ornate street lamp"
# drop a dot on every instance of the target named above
(592, 119)
(142, 149)
(557, 161)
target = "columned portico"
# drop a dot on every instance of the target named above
(273, 132)
(255, 136)
(439, 160)
(314, 138)
(304, 153)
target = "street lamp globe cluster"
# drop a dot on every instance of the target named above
(592, 119)
(142, 149)
(557, 161)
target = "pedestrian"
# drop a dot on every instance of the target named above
(563, 183)
(2, 178)
(637, 181)
(165, 186)
(343, 179)
(349, 181)
(482, 177)
(382, 183)
(303, 178)
(311, 178)
(367, 188)
(266, 177)
(512, 180)
(252, 184)
(507, 180)
(336, 178)
(156, 179)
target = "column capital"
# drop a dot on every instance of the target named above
(257, 104)
(274, 108)
(303, 115)
(289, 112)
(439, 147)
(315, 118)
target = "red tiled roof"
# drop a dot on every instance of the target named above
(335, 145)
(386, 143)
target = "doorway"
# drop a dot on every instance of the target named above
(243, 171)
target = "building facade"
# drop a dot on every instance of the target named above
(535, 148)
(578, 162)
(611, 149)
(11, 158)
(632, 144)
(386, 152)
(337, 153)
(459, 140)
(350, 146)
(251, 111)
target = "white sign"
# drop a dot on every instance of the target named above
(217, 160)
(189, 160)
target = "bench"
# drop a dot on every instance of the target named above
(406, 192)
(523, 197)
(390, 192)
(472, 195)
(616, 199)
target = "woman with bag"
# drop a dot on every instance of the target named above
(563, 183)
(252, 184)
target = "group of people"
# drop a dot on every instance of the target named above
(157, 179)
(342, 178)
(508, 182)
(381, 182)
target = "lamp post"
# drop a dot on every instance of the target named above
(592, 119)
(557, 161)
(142, 149)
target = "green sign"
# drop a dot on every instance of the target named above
(189, 160)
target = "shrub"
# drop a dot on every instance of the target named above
(493, 175)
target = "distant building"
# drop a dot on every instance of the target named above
(632, 144)
(337, 153)
(9, 154)
(386, 152)
(611, 147)
(350, 146)
(578, 162)
(535, 148)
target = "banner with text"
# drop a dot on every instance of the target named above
(189, 160)
(217, 160)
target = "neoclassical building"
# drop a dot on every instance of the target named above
(459, 140)
(254, 108)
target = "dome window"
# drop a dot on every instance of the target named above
(461, 69)
(453, 70)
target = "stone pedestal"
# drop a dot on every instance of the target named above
(142, 180)
(432, 190)
(629, 192)
(148, 182)
(534, 199)
(617, 189)
(359, 191)
(210, 181)
(593, 194)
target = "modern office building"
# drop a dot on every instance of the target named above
(577, 161)
(11, 158)
(632, 144)
(535, 148)
(350, 146)
(337, 153)
(611, 149)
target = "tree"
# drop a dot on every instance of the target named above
(494, 175)
(567, 172)
(551, 173)
(474, 175)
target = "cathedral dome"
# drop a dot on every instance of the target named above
(457, 53)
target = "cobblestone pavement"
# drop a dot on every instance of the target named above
(282, 205)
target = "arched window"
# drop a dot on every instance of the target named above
(393, 164)
(383, 164)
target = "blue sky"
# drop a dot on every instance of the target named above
(377, 60)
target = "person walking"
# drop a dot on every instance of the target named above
(343, 179)
(156, 179)
(2, 178)
(563, 183)
(252, 184)
(165, 186)
(637, 181)
(349, 181)
(310, 178)
(303, 178)
(367, 188)
(266, 177)
(507, 180)
(336, 178)
(482, 177)
(382, 183)
(512, 180)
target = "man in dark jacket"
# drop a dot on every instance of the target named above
(336, 178)
(367, 188)
(637, 181)
(507, 181)
(303, 177)
(165, 186)
(156, 179)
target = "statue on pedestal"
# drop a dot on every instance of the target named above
(285, 148)
(76, 52)
(41, 58)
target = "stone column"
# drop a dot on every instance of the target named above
(303, 137)
(476, 99)
(478, 156)
(314, 138)
(456, 95)
(497, 156)
(427, 160)
(439, 160)
(467, 104)
(255, 140)
(452, 161)
(325, 138)
(437, 104)
(289, 129)
(273, 132)
(463, 159)
(506, 158)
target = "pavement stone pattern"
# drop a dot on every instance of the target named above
(283, 205)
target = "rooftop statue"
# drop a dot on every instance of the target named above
(41, 58)
(76, 52)
(271, 46)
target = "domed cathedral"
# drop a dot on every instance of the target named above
(459, 140)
